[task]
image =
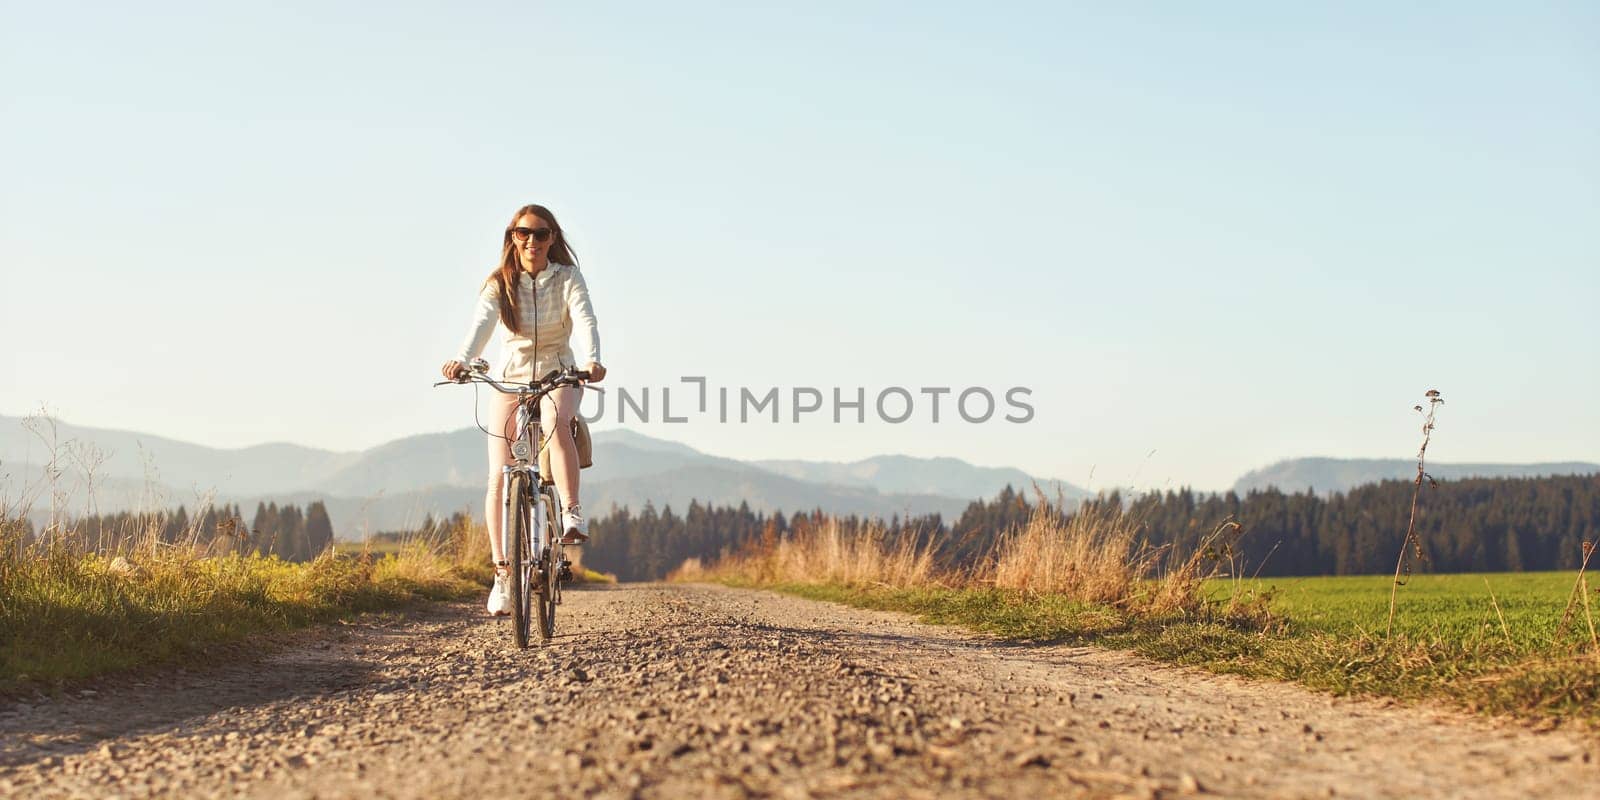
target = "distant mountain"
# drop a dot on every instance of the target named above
(639, 441)
(1342, 474)
(138, 456)
(397, 483)
(458, 458)
(950, 477)
(765, 491)
(180, 469)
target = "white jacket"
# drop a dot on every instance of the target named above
(553, 305)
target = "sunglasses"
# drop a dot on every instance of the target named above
(538, 234)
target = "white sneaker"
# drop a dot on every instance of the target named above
(577, 528)
(499, 600)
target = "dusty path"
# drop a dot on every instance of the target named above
(696, 691)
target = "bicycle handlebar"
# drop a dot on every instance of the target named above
(551, 381)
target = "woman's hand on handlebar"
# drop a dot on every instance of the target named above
(454, 371)
(596, 372)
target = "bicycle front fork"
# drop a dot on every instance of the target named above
(536, 516)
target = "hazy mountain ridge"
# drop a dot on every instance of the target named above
(1326, 475)
(397, 483)
(764, 491)
(258, 468)
(938, 476)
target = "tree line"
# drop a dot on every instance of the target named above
(647, 545)
(287, 531)
(1473, 525)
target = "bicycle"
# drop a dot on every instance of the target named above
(531, 517)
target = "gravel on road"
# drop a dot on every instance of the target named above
(660, 691)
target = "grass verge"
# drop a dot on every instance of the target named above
(66, 616)
(1530, 678)
(1494, 644)
(67, 613)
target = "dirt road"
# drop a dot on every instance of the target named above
(697, 691)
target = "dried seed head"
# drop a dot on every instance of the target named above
(1433, 393)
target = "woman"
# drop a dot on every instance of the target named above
(538, 298)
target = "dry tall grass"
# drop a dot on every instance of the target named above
(1095, 556)
(457, 542)
(69, 610)
(827, 553)
(1092, 556)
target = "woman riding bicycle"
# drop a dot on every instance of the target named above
(537, 297)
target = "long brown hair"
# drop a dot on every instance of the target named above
(504, 276)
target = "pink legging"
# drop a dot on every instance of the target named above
(556, 411)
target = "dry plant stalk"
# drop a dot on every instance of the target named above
(1580, 588)
(1412, 541)
(1496, 603)
(1593, 639)
(43, 427)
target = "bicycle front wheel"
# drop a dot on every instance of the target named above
(519, 498)
(549, 574)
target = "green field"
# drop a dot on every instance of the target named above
(1455, 607)
(1326, 633)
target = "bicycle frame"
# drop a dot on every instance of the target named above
(524, 459)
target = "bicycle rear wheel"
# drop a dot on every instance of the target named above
(521, 556)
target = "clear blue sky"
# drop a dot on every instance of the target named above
(1226, 233)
